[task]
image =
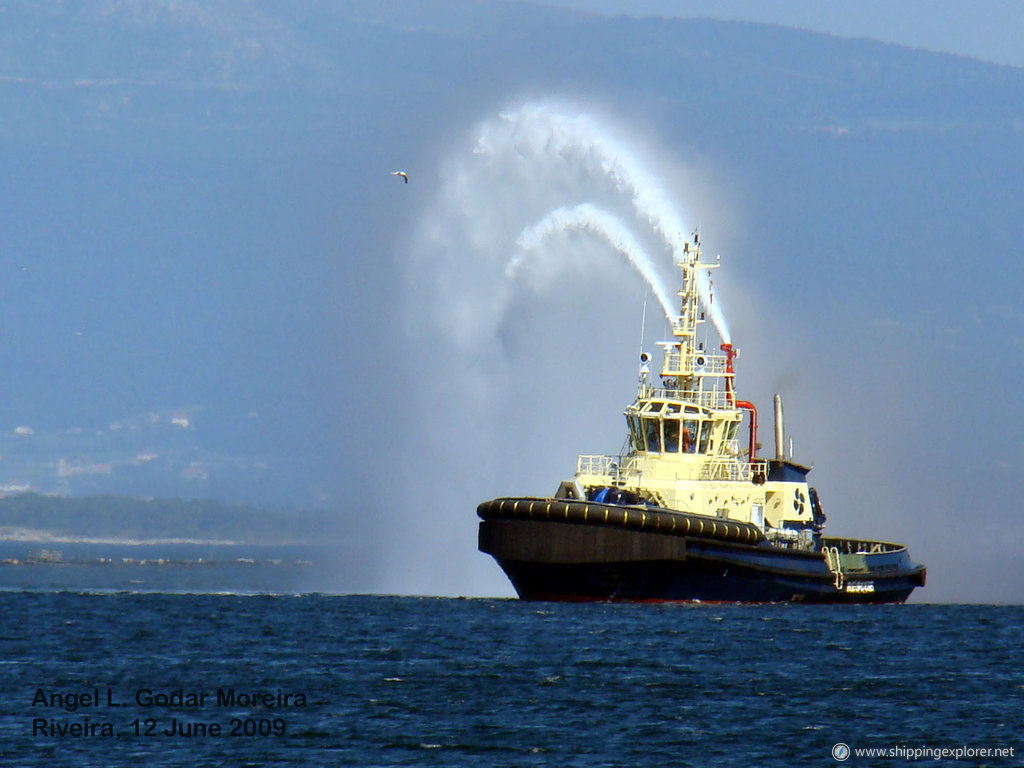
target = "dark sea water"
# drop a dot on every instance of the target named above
(395, 681)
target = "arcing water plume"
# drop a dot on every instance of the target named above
(541, 131)
(590, 218)
(498, 386)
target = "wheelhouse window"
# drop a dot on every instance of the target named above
(690, 432)
(705, 437)
(652, 433)
(636, 436)
(671, 435)
(730, 436)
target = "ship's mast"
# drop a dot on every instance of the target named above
(689, 372)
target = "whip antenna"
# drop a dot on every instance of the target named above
(643, 323)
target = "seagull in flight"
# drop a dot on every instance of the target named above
(403, 174)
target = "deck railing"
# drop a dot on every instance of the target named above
(716, 469)
(604, 465)
(698, 362)
(708, 398)
(730, 469)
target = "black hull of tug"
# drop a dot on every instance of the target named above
(579, 551)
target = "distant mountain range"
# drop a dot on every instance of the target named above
(197, 204)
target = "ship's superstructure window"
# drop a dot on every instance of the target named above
(671, 435)
(652, 433)
(690, 432)
(705, 436)
(731, 431)
(636, 437)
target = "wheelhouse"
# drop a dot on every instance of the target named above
(665, 426)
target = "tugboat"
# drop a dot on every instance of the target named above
(687, 513)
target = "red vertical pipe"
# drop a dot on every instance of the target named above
(730, 354)
(753, 426)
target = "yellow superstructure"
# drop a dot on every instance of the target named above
(687, 449)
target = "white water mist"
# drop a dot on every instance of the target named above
(521, 319)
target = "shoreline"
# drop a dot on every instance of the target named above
(17, 535)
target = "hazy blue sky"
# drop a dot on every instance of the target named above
(991, 30)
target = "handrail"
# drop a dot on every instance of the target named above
(834, 564)
(696, 362)
(860, 546)
(708, 398)
(603, 464)
(718, 468)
